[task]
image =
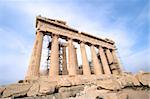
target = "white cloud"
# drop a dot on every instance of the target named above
(138, 61)
(116, 31)
(14, 54)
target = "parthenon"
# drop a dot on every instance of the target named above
(94, 74)
(104, 61)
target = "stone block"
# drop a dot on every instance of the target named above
(65, 95)
(33, 91)
(122, 96)
(2, 90)
(128, 80)
(47, 87)
(108, 84)
(27, 98)
(64, 81)
(66, 92)
(16, 90)
(78, 80)
(106, 96)
(144, 78)
(73, 88)
(138, 95)
(110, 96)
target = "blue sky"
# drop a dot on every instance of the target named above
(124, 21)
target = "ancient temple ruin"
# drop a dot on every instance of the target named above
(99, 78)
(105, 61)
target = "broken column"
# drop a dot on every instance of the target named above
(54, 57)
(34, 64)
(71, 61)
(85, 62)
(96, 64)
(104, 61)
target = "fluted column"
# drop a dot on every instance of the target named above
(76, 59)
(115, 60)
(34, 64)
(85, 63)
(71, 60)
(104, 61)
(54, 57)
(109, 56)
(64, 61)
(96, 64)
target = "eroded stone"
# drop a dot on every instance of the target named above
(33, 91)
(109, 84)
(128, 80)
(2, 90)
(144, 78)
(15, 90)
(47, 87)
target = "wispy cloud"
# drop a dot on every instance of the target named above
(138, 61)
(14, 54)
(106, 20)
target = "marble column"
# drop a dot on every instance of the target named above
(54, 57)
(76, 59)
(96, 63)
(106, 67)
(85, 62)
(115, 69)
(34, 64)
(71, 60)
(64, 61)
(109, 56)
(116, 61)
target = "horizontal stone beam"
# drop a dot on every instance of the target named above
(50, 27)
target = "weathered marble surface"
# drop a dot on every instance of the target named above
(125, 86)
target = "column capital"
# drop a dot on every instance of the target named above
(68, 39)
(64, 44)
(75, 47)
(86, 43)
(81, 42)
(55, 35)
(100, 46)
(40, 32)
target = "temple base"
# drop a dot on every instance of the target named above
(80, 87)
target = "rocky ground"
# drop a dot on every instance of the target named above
(125, 86)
